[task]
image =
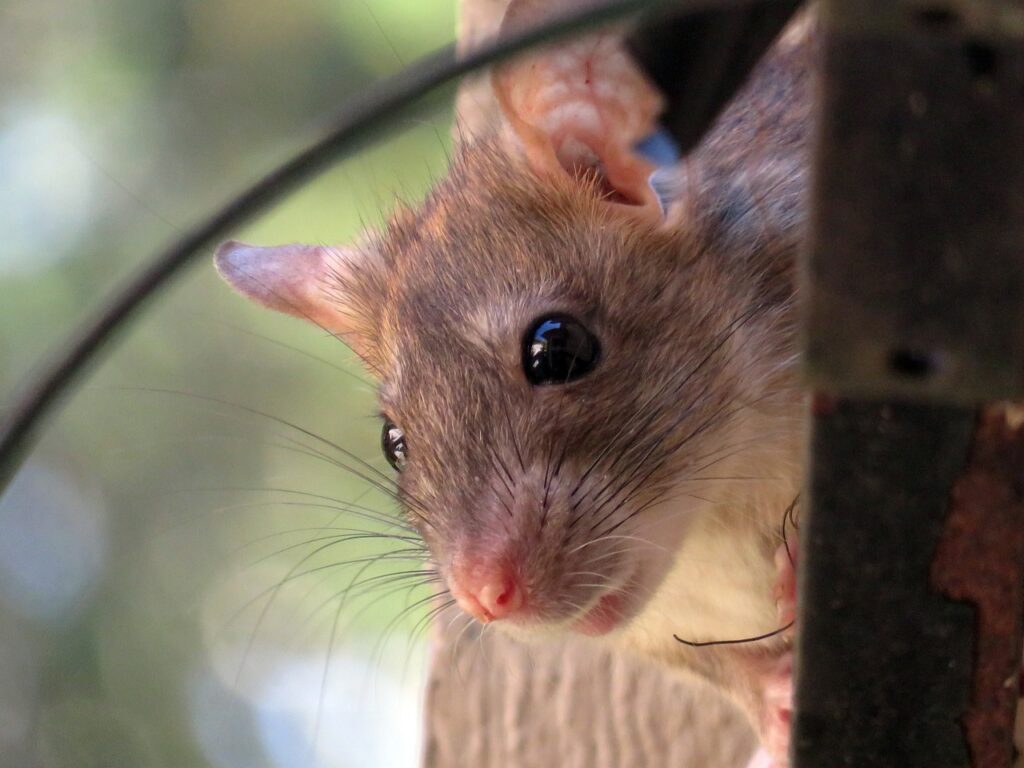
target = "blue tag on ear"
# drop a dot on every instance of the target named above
(661, 150)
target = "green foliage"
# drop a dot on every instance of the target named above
(121, 123)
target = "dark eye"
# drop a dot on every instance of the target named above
(558, 349)
(392, 441)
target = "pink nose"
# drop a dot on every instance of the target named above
(487, 592)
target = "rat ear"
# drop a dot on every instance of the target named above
(580, 108)
(306, 281)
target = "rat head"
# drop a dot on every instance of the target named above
(556, 378)
(558, 369)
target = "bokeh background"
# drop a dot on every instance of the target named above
(141, 545)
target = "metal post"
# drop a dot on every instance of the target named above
(912, 564)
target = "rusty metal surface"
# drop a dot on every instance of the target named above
(978, 562)
(914, 284)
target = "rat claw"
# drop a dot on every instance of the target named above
(778, 711)
(772, 680)
(761, 759)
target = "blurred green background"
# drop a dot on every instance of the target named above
(138, 545)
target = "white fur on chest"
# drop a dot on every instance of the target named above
(720, 588)
(722, 580)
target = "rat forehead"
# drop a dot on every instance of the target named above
(492, 217)
(456, 347)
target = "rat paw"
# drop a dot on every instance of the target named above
(761, 759)
(777, 712)
(771, 707)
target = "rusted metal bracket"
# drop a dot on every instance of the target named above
(913, 542)
(915, 274)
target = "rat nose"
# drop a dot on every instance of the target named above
(487, 591)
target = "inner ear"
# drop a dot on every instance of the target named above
(579, 109)
(311, 282)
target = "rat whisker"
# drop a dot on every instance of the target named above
(639, 433)
(393, 624)
(193, 440)
(512, 434)
(414, 552)
(740, 641)
(419, 630)
(202, 319)
(716, 346)
(371, 585)
(325, 672)
(385, 484)
(495, 459)
(470, 622)
(329, 652)
(393, 527)
(498, 462)
(602, 539)
(788, 516)
(380, 519)
(273, 593)
(355, 587)
(346, 596)
(360, 587)
(611, 555)
(604, 576)
(423, 624)
(270, 417)
(713, 418)
(410, 538)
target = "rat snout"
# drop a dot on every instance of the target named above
(487, 590)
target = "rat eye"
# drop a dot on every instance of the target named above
(558, 349)
(392, 441)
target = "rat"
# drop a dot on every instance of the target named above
(586, 362)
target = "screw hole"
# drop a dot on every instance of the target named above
(938, 18)
(982, 59)
(913, 363)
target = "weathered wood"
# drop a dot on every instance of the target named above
(495, 703)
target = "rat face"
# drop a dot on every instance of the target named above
(560, 370)
(555, 376)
